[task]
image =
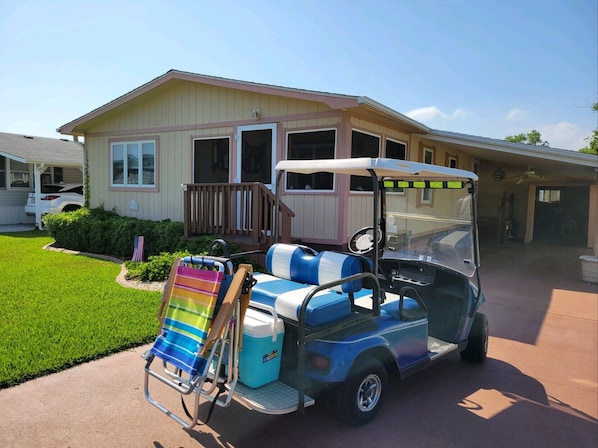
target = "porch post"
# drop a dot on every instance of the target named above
(37, 176)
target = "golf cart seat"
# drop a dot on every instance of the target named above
(194, 341)
(294, 272)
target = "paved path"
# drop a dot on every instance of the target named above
(538, 387)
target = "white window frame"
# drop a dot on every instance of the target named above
(26, 174)
(398, 142)
(126, 183)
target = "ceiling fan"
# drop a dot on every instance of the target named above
(526, 176)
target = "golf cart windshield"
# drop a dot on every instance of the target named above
(429, 221)
(427, 212)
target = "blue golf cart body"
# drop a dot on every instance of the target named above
(405, 295)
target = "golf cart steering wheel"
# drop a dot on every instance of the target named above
(362, 241)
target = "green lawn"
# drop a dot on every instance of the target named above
(58, 310)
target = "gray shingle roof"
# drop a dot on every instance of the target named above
(50, 151)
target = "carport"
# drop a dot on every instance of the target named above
(531, 193)
(45, 160)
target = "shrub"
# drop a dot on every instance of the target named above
(156, 269)
(104, 232)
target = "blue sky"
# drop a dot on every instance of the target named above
(483, 67)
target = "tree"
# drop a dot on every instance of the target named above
(592, 147)
(531, 138)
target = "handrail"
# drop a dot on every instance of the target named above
(236, 209)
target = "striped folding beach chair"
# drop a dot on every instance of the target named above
(188, 317)
(193, 342)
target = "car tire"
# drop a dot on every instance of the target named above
(359, 399)
(477, 343)
(71, 208)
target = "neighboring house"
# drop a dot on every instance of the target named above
(28, 161)
(148, 150)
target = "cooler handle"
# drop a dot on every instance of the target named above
(271, 311)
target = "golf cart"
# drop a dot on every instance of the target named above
(338, 325)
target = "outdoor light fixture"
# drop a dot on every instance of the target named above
(256, 113)
(498, 175)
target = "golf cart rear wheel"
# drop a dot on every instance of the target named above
(477, 343)
(359, 399)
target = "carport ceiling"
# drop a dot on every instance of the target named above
(554, 163)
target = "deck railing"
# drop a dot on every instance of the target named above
(240, 210)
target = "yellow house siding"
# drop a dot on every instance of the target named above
(316, 216)
(359, 212)
(176, 116)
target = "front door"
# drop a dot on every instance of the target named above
(256, 154)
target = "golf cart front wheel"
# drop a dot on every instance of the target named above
(477, 343)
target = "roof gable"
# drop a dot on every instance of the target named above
(334, 101)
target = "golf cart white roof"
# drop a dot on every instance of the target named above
(382, 167)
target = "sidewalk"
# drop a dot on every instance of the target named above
(539, 386)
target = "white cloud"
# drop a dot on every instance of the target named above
(426, 113)
(461, 113)
(516, 115)
(564, 135)
(432, 113)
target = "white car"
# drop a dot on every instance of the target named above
(56, 198)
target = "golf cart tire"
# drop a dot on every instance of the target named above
(359, 399)
(477, 345)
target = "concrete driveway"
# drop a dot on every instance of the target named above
(538, 387)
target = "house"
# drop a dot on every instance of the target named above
(202, 150)
(26, 162)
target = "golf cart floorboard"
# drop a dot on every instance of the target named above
(274, 398)
(438, 348)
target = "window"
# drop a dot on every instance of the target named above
(363, 145)
(545, 195)
(133, 164)
(452, 161)
(426, 197)
(2, 172)
(396, 150)
(311, 145)
(428, 156)
(19, 174)
(58, 174)
(476, 166)
(210, 160)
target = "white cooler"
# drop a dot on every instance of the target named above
(259, 360)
